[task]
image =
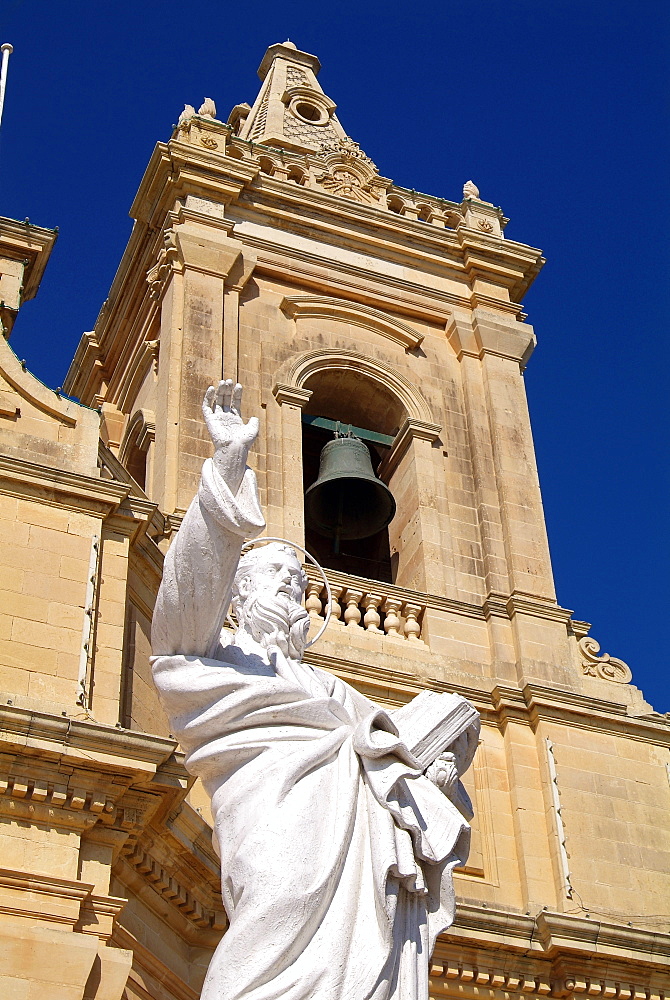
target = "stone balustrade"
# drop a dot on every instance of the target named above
(357, 603)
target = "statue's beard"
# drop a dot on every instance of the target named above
(276, 620)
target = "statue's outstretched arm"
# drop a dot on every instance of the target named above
(200, 565)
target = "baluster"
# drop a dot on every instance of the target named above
(336, 607)
(372, 618)
(392, 617)
(352, 613)
(411, 613)
(313, 599)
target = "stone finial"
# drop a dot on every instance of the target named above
(188, 112)
(208, 108)
(470, 190)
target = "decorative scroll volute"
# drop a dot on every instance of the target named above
(607, 667)
(168, 261)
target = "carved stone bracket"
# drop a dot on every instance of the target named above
(168, 261)
(609, 668)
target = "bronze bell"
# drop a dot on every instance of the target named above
(347, 501)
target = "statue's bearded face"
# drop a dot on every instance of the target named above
(267, 595)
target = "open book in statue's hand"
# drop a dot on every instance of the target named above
(432, 722)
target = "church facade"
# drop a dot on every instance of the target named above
(270, 249)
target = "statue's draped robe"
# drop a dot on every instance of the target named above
(336, 852)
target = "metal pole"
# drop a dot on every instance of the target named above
(6, 50)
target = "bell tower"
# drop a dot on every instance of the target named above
(345, 304)
(270, 248)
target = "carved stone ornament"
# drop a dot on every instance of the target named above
(351, 173)
(168, 258)
(609, 668)
(470, 190)
(345, 183)
(207, 109)
(485, 225)
(348, 148)
(187, 113)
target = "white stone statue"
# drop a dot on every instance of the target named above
(336, 849)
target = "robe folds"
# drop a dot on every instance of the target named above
(336, 851)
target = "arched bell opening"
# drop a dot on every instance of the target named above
(136, 463)
(343, 495)
(137, 446)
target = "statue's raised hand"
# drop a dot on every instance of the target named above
(231, 436)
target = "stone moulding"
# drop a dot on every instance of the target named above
(43, 890)
(304, 366)
(145, 960)
(67, 737)
(170, 888)
(31, 389)
(145, 357)
(140, 432)
(557, 954)
(70, 489)
(411, 429)
(301, 307)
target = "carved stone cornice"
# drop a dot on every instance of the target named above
(57, 900)
(573, 708)
(510, 264)
(169, 887)
(489, 953)
(558, 931)
(178, 167)
(325, 306)
(28, 247)
(75, 492)
(64, 738)
(527, 604)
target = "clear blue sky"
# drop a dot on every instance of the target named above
(557, 109)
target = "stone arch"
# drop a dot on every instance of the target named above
(137, 440)
(300, 370)
(324, 383)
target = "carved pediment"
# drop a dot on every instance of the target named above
(350, 173)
